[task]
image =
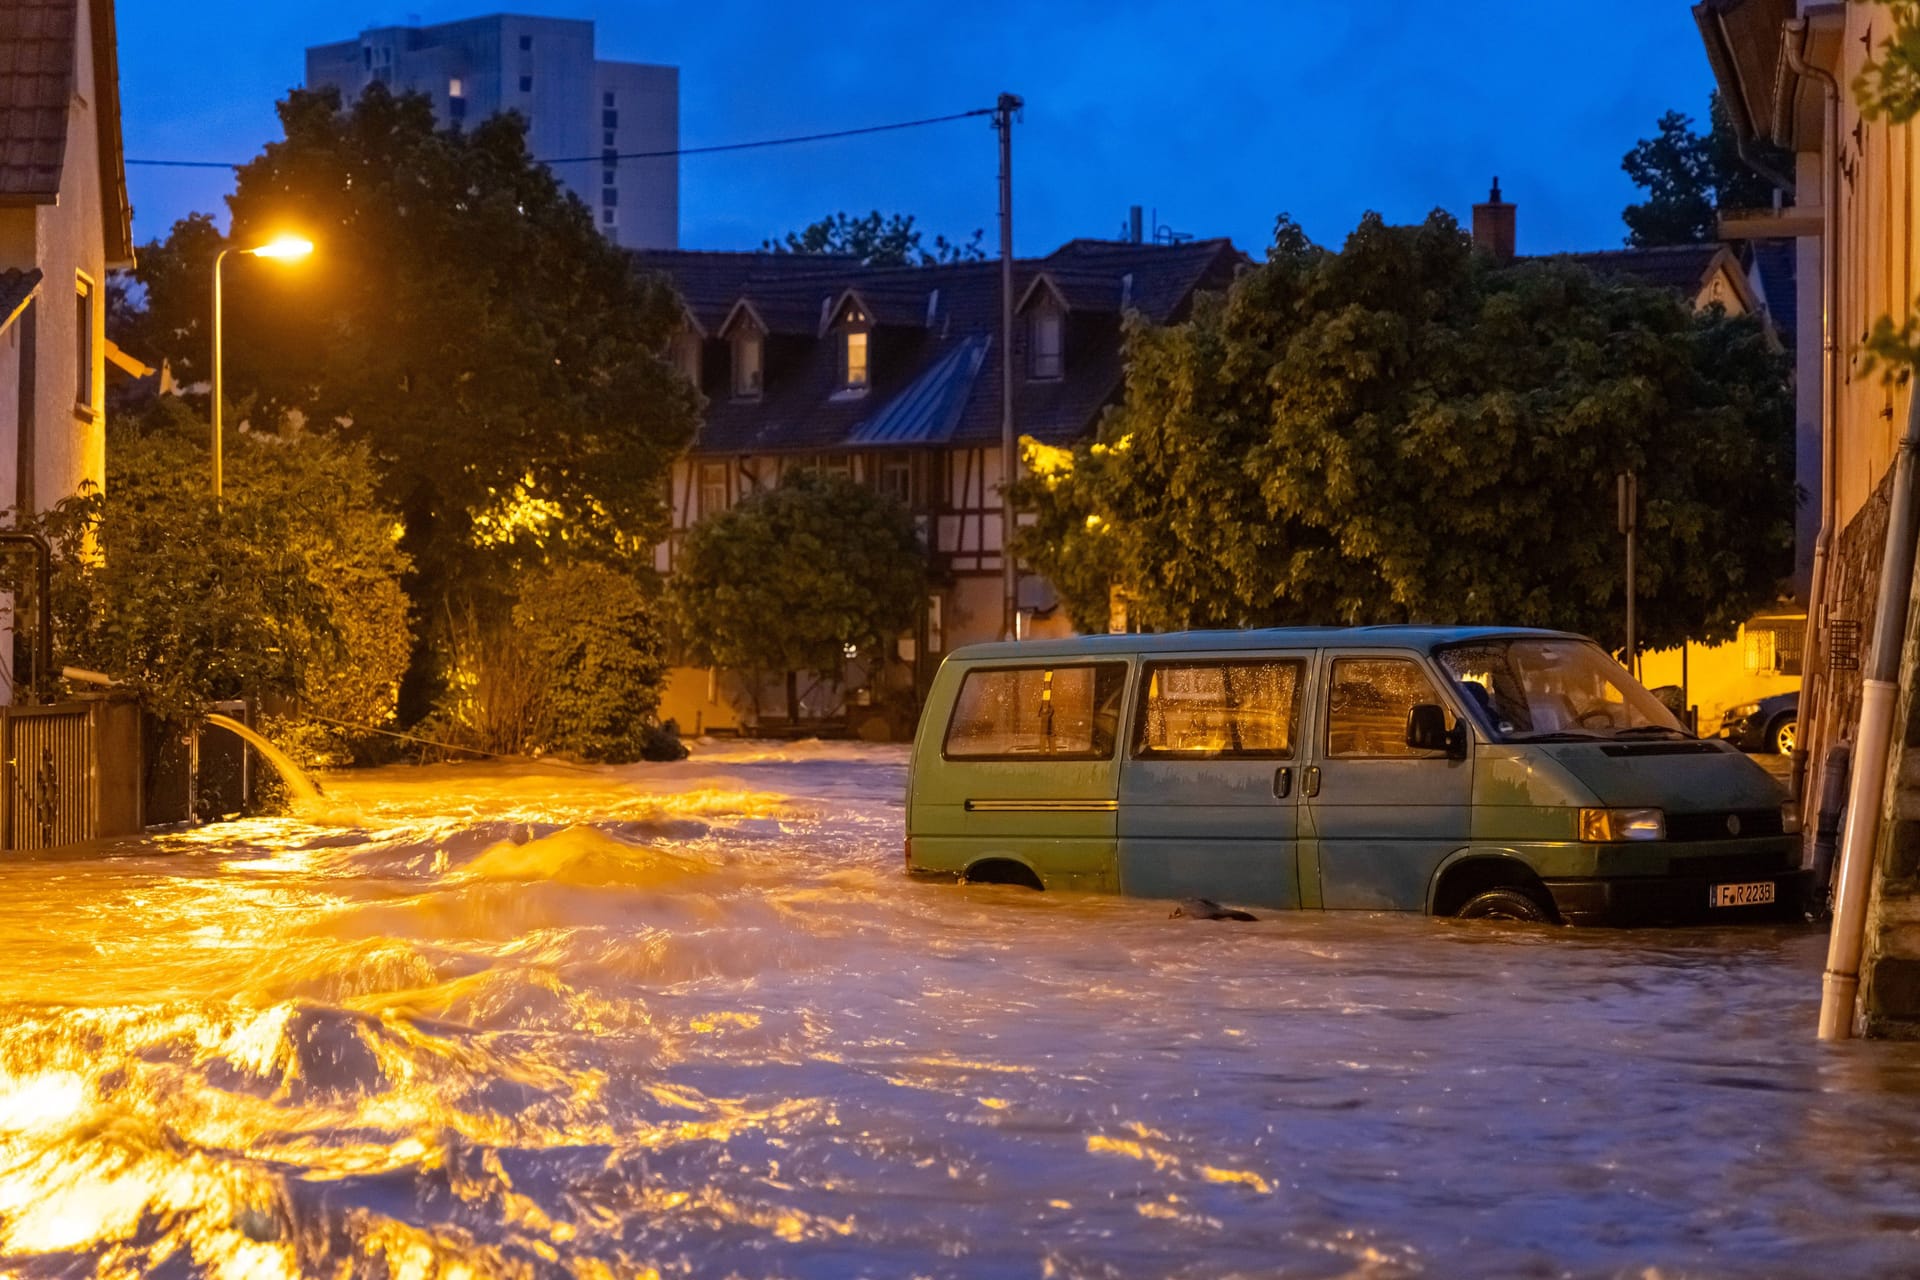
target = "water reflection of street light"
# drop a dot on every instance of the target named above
(285, 248)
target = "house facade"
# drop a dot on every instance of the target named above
(892, 376)
(64, 223)
(1786, 71)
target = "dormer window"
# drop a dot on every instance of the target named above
(686, 355)
(853, 359)
(1046, 330)
(748, 367)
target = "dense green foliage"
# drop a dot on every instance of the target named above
(1888, 88)
(575, 671)
(1408, 431)
(1690, 178)
(464, 321)
(791, 578)
(290, 588)
(877, 241)
(461, 315)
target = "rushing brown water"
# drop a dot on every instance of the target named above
(692, 1019)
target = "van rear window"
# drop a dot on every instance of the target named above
(1026, 713)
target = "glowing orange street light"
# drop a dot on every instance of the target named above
(286, 249)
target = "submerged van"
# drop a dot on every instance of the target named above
(1459, 771)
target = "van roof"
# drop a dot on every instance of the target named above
(1423, 638)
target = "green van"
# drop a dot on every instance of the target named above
(1463, 771)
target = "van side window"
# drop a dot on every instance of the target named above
(1019, 713)
(1243, 710)
(1368, 703)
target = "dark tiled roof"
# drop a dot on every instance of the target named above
(37, 68)
(710, 283)
(16, 286)
(36, 91)
(1682, 267)
(1778, 267)
(923, 387)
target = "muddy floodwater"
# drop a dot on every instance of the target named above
(692, 1019)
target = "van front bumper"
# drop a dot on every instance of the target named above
(1638, 900)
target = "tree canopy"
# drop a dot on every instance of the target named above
(461, 317)
(877, 241)
(1690, 178)
(790, 578)
(289, 586)
(1408, 431)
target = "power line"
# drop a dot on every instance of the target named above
(662, 155)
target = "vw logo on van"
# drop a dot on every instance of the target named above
(1733, 824)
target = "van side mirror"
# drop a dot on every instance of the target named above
(1427, 730)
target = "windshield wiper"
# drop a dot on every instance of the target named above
(1560, 735)
(1639, 729)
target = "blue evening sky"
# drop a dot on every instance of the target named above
(1217, 113)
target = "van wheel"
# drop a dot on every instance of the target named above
(1505, 904)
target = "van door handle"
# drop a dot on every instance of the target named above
(1310, 781)
(1282, 782)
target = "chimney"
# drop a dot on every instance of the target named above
(1134, 227)
(1493, 226)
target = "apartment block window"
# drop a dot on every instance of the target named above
(606, 217)
(456, 108)
(606, 139)
(526, 43)
(455, 89)
(747, 372)
(526, 84)
(610, 197)
(606, 99)
(609, 119)
(608, 177)
(1045, 354)
(853, 359)
(610, 157)
(83, 344)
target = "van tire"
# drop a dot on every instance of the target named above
(1505, 903)
(1002, 871)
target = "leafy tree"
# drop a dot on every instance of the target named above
(793, 577)
(288, 588)
(1689, 179)
(574, 669)
(877, 241)
(463, 319)
(1404, 431)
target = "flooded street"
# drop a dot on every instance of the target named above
(692, 1019)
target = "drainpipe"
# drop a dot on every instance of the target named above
(1861, 834)
(1813, 651)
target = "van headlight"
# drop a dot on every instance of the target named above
(1608, 826)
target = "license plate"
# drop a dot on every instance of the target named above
(1758, 893)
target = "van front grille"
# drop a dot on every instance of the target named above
(1714, 826)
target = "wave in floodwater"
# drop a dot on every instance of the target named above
(690, 1019)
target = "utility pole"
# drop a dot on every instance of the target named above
(1003, 114)
(1627, 487)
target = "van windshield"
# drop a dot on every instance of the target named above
(1534, 690)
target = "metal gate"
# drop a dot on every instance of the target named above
(68, 773)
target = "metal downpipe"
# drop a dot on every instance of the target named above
(1872, 746)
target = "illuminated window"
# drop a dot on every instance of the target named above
(747, 370)
(1368, 702)
(83, 344)
(853, 359)
(1219, 710)
(455, 89)
(1045, 354)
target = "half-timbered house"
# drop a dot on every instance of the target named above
(892, 376)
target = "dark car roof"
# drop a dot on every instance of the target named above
(1422, 638)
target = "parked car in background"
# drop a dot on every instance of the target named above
(1767, 725)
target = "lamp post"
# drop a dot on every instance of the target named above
(285, 248)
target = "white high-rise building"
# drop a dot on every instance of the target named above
(582, 112)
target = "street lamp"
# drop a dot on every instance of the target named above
(285, 248)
